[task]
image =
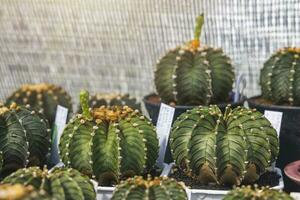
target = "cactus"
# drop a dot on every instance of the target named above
(20, 192)
(109, 143)
(24, 139)
(43, 98)
(225, 149)
(194, 74)
(157, 189)
(95, 101)
(247, 193)
(64, 183)
(280, 77)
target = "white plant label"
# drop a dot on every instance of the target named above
(275, 118)
(295, 195)
(163, 127)
(59, 125)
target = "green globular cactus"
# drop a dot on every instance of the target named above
(20, 192)
(157, 189)
(24, 139)
(193, 74)
(247, 193)
(43, 98)
(280, 77)
(224, 149)
(109, 143)
(61, 183)
(98, 100)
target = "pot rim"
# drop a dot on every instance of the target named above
(271, 106)
(145, 100)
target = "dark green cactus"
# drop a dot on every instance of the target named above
(280, 77)
(109, 143)
(95, 101)
(157, 189)
(247, 193)
(225, 149)
(43, 98)
(20, 192)
(24, 139)
(193, 74)
(61, 183)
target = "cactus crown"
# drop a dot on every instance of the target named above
(194, 74)
(157, 188)
(248, 193)
(280, 77)
(19, 192)
(226, 149)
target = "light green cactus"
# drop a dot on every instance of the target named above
(43, 98)
(194, 74)
(24, 139)
(157, 189)
(280, 77)
(109, 143)
(225, 149)
(247, 193)
(61, 183)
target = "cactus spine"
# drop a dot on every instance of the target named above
(280, 77)
(43, 98)
(247, 193)
(157, 189)
(24, 139)
(62, 183)
(225, 149)
(194, 74)
(109, 143)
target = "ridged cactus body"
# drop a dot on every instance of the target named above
(157, 189)
(68, 184)
(43, 98)
(98, 100)
(225, 149)
(247, 193)
(24, 139)
(20, 192)
(194, 75)
(109, 143)
(280, 77)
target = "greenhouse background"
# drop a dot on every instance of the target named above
(107, 46)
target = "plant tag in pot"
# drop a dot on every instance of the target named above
(163, 127)
(275, 119)
(59, 125)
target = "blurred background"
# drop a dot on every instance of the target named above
(112, 46)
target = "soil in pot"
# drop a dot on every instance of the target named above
(289, 135)
(267, 179)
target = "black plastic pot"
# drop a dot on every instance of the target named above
(153, 109)
(289, 136)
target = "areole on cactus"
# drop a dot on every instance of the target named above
(227, 149)
(109, 143)
(41, 97)
(24, 138)
(59, 183)
(159, 188)
(280, 77)
(194, 74)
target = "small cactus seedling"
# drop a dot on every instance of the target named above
(194, 74)
(157, 189)
(225, 149)
(98, 100)
(109, 143)
(247, 193)
(20, 192)
(280, 77)
(64, 183)
(43, 98)
(24, 139)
